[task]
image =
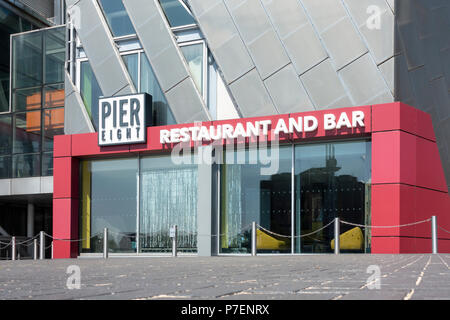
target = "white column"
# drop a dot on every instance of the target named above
(30, 220)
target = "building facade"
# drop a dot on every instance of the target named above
(206, 61)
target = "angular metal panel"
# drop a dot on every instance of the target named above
(343, 32)
(286, 15)
(5, 187)
(107, 65)
(323, 85)
(324, 12)
(287, 91)
(251, 95)
(183, 101)
(233, 59)
(363, 79)
(26, 186)
(46, 185)
(268, 53)
(167, 61)
(387, 71)
(296, 44)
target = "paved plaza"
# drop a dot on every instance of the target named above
(324, 277)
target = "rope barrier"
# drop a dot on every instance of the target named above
(398, 226)
(7, 245)
(72, 240)
(443, 229)
(300, 236)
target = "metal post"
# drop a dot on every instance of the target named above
(105, 243)
(253, 238)
(337, 231)
(35, 249)
(174, 235)
(41, 245)
(52, 250)
(434, 240)
(13, 248)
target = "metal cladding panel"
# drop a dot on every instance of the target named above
(26, 186)
(343, 32)
(286, 15)
(252, 96)
(297, 41)
(167, 61)
(363, 80)
(104, 57)
(268, 54)
(324, 12)
(323, 85)
(183, 100)
(287, 91)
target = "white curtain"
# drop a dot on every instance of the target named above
(168, 197)
(232, 222)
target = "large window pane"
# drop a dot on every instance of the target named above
(5, 135)
(27, 60)
(168, 197)
(54, 96)
(132, 63)
(194, 58)
(90, 91)
(332, 180)
(27, 132)
(27, 99)
(252, 192)
(54, 55)
(161, 111)
(108, 200)
(53, 125)
(117, 18)
(47, 164)
(5, 167)
(26, 165)
(176, 14)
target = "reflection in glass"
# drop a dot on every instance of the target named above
(54, 54)
(176, 13)
(168, 197)
(90, 91)
(149, 84)
(47, 164)
(332, 180)
(27, 60)
(117, 18)
(26, 165)
(194, 58)
(251, 194)
(5, 134)
(27, 99)
(132, 63)
(5, 167)
(108, 200)
(53, 125)
(54, 96)
(27, 132)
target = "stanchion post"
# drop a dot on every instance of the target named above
(105, 243)
(52, 251)
(174, 235)
(13, 248)
(253, 238)
(41, 245)
(434, 240)
(337, 231)
(35, 249)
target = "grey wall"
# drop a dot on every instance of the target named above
(422, 64)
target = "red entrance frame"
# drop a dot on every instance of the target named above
(408, 182)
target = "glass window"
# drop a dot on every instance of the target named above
(162, 114)
(332, 180)
(168, 197)
(253, 192)
(132, 63)
(54, 96)
(5, 134)
(90, 91)
(53, 125)
(5, 167)
(47, 164)
(176, 13)
(27, 60)
(55, 41)
(27, 132)
(109, 200)
(194, 58)
(27, 99)
(26, 165)
(117, 18)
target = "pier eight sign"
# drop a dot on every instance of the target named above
(122, 119)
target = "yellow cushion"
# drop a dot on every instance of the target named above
(265, 241)
(352, 239)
